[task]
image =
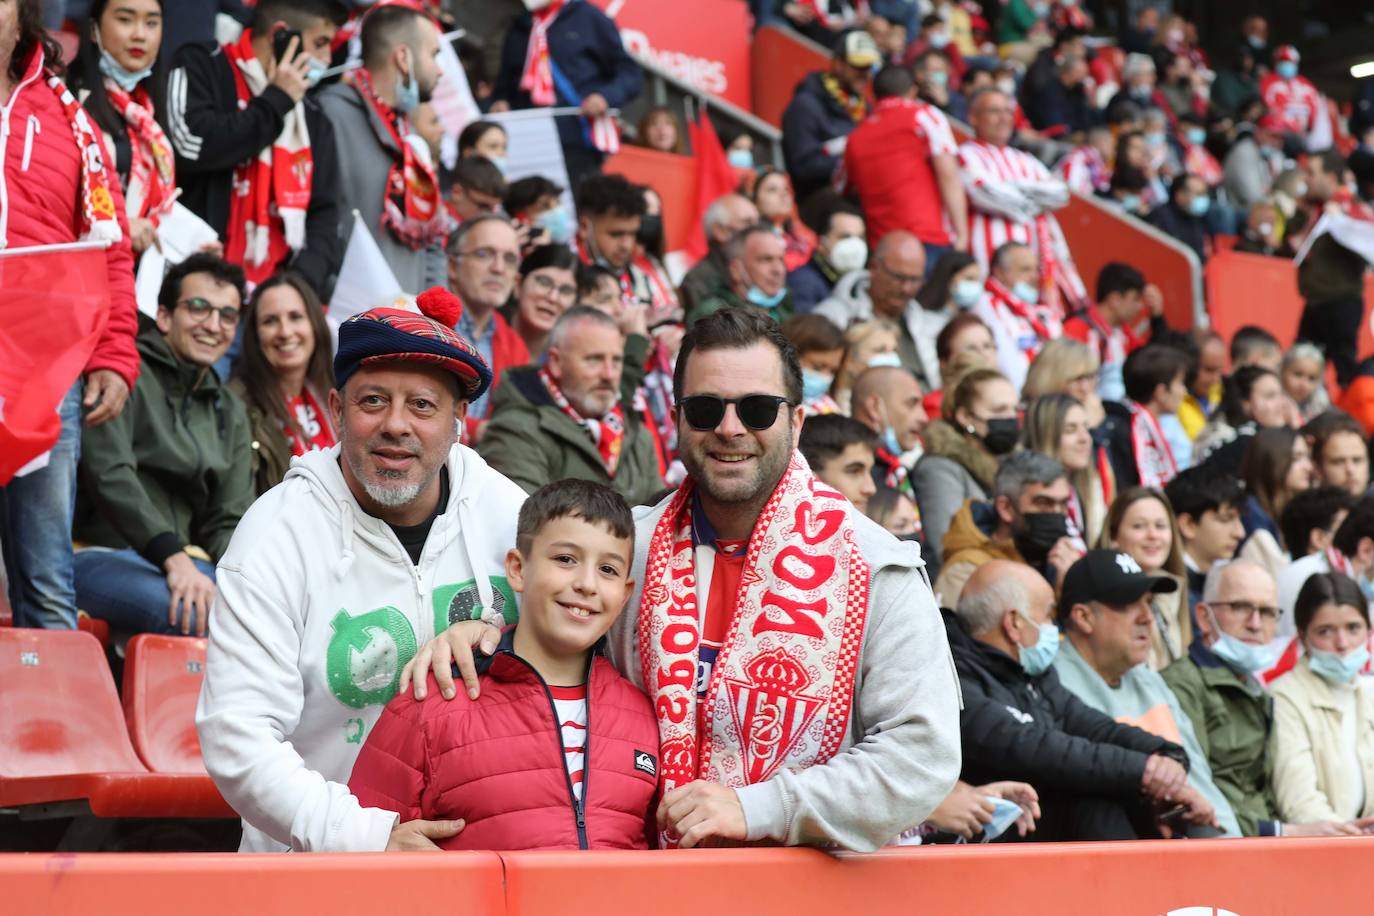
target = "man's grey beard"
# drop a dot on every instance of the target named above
(393, 497)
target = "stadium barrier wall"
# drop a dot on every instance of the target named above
(1161, 878)
(779, 60)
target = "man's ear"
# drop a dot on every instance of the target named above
(336, 407)
(164, 319)
(1006, 512)
(1011, 626)
(629, 593)
(460, 413)
(515, 570)
(1082, 617)
(1187, 526)
(798, 419)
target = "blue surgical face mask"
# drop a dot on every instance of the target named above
(316, 72)
(1036, 659)
(408, 93)
(966, 293)
(1200, 205)
(938, 78)
(891, 442)
(1197, 135)
(815, 385)
(558, 223)
(741, 158)
(1244, 657)
(760, 298)
(1026, 292)
(1155, 138)
(1338, 669)
(1286, 69)
(501, 163)
(885, 360)
(124, 79)
(938, 39)
(1131, 202)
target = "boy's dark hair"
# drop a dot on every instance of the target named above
(1358, 524)
(1201, 489)
(828, 435)
(1322, 589)
(1118, 278)
(594, 503)
(590, 277)
(736, 328)
(1248, 340)
(201, 262)
(526, 192)
(883, 502)
(297, 14)
(1308, 511)
(1325, 426)
(480, 174)
(1148, 368)
(812, 333)
(892, 81)
(827, 214)
(599, 195)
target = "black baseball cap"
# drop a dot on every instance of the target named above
(1109, 577)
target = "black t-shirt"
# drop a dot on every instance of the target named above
(413, 537)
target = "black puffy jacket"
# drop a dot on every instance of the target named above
(1032, 729)
(812, 119)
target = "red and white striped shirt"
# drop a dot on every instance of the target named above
(1084, 171)
(1009, 192)
(570, 705)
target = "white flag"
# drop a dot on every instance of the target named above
(365, 278)
(534, 148)
(453, 101)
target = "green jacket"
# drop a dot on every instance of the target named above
(175, 468)
(533, 442)
(726, 297)
(1232, 717)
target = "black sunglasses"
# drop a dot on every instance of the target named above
(704, 412)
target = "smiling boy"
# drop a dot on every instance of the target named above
(517, 764)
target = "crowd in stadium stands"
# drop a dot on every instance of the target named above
(1150, 549)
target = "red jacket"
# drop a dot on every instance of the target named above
(508, 351)
(497, 762)
(40, 204)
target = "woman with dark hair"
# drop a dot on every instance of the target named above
(486, 139)
(547, 288)
(1323, 738)
(1252, 398)
(284, 374)
(777, 206)
(1277, 467)
(955, 285)
(118, 79)
(661, 129)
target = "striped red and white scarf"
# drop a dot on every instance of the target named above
(98, 218)
(537, 78)
(1154, 459)
(151, 190)
(607, 432)
(780, 691)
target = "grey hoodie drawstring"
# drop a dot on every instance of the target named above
(490, 615)
(346, 554)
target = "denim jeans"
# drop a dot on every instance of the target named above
(125, 590)
(36, 530)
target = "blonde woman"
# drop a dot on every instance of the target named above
(1057, 425)
(867, 343)
(1141, 523)
(1067, 366)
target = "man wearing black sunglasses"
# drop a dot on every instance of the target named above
(793, 650)
(164, 485)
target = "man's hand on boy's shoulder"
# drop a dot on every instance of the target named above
(420, 836)
(702, 813)
(449, 648)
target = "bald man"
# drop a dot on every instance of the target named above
(1217, 687)
(888, 400)
(888, 290)
(1097, 779)
(727, 216)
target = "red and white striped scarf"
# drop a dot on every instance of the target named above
(152, 170)
(607, 432)
(537, 78)
(781, 688)
(1019, 318)
(271, 192)
(98, 218)
(1154, 459)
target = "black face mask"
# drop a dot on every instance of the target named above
(650, 233)
(1002, 435)
(1037, 534)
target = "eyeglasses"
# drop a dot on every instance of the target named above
(704, 412)
(567, 292)
(200, 310)
(902, 279)
(509, 259)
(1244, 609)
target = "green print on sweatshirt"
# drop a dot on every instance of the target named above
(367, 652)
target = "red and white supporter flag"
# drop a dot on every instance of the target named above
(51, 316)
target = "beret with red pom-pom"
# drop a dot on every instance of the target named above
(441, 305)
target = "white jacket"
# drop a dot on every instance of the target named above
(849, 302)
(319, 608)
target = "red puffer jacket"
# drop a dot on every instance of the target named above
(40, 204)
(497, 762)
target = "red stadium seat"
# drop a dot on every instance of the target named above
(62, 737)
(100, 629)
(162, 676)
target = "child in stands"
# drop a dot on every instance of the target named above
(559, 751)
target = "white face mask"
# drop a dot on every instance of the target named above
(535, 6)
(848, 254)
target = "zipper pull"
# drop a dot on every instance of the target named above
(581, 820)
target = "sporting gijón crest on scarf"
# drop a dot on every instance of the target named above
(780, 691)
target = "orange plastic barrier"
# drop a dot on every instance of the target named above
(1161, 878)
(1253, 289)
(778, 63)
(674, 177)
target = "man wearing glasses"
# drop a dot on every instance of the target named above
(1218, 688)
(567, 419)
(162, 486)
(792, 648)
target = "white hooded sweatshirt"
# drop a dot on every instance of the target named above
(319, 608)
